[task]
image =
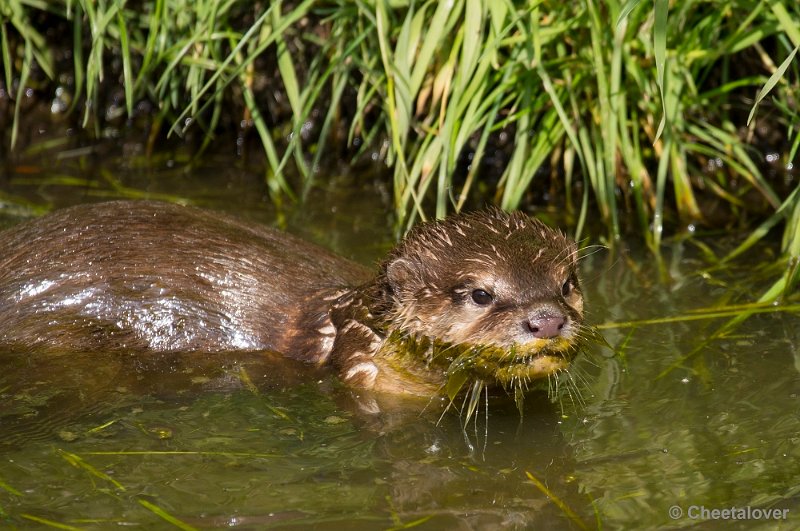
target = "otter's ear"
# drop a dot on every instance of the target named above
(400, 272)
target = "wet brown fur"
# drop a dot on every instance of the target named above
(154, 277)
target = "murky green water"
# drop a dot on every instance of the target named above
(668, 421)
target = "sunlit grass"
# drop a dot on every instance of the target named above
(629, 98)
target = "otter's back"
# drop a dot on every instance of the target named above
(153, 276)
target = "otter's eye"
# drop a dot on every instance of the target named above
(566, 288)
(481, 297)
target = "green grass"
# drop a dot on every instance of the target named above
(632, 99)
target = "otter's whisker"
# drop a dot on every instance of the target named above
(573, 389)
(577, 376)
(486, 418)
(434, 397)
(582, 254)
(563, 389)
(567, 258)
(446, 409)
(551, 386)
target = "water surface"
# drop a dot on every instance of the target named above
(665, 418)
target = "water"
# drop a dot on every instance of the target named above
(668, 419)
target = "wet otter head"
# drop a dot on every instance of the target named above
(498, 292)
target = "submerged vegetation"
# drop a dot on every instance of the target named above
(641, 113)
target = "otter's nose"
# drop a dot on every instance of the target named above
(546, 324)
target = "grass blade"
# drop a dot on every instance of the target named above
(164, 515)
(572, 515)
(77, 462)
(660, 11)
(771, 82)
(49, 523)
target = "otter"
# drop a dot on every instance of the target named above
(489, 297)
